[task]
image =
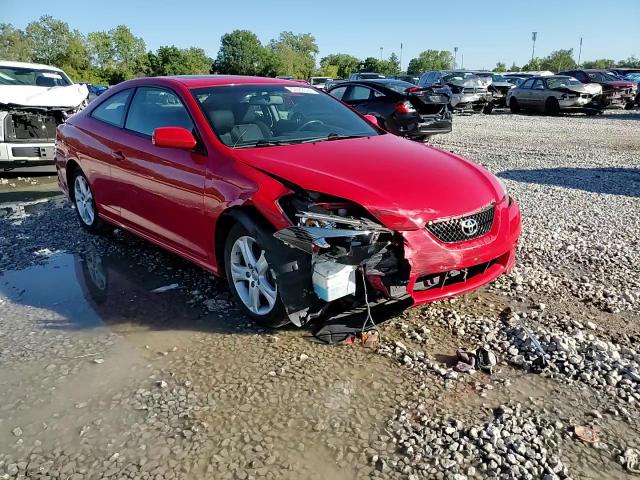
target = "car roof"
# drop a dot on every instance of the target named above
(199, 81)
(34, 66)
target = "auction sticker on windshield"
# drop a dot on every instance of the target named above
(302, 90)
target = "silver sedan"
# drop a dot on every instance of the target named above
(555, 94)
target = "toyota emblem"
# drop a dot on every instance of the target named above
(469, 226)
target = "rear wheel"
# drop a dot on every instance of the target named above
(552, 106)
(252, 280)
(85, 206)
(514, 106)
(629, 106)
(488, 108)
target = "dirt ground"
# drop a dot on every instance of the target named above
(101, 377)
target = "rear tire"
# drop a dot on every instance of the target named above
(251, 279)
(514, 106)
(552, 106)
(629, 106)
(85, 205)
(488, 108)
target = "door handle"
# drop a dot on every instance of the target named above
(118, 156)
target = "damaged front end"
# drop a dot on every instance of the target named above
(27, 134)
(346, 253)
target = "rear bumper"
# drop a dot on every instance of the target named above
(426, 125)
(439, 270)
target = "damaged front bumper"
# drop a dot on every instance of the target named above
(414, 265)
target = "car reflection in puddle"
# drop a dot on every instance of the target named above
(94, 291)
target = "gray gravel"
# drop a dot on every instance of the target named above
(129, 383)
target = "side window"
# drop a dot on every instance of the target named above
(538, 84)
(156, 107)
(358, 93)
(112, 110)
(338, 92)
(527, 83)
(581, 76)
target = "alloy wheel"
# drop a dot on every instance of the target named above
(84, 200)
(252, 277)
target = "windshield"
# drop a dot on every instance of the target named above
(319, 80)
(399, 86)
(244, 116)
(32, 77)
(459, 76)
(632, 77)
(559, 82)
(365, 76)
(499, 78)
(602, 76)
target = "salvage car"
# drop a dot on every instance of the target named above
(615, 92)
(470, 92)
(320, 82)
(555, 94)
(34, 100)
(299, 201)
(499, 86)
(400, 107)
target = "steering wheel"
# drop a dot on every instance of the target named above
(310, 122)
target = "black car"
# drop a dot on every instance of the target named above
(400, 107)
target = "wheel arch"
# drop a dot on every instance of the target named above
(71, 167)
(247, 215)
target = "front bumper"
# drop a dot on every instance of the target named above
(21, 155)
(434, 265)
(469, 100)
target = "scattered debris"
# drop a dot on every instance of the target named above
(587, 433)
(166, 288)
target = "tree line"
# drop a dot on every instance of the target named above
(109, 57)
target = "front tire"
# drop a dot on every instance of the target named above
(552, 106)
(488, 108)
(252, 280)
(85, 206)
(514, 106)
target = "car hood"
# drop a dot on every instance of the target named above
(618, 84)
(470, 83)
(395, 179)
(69, 96)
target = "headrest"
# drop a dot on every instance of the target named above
(222, 120)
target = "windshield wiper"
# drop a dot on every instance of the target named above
(264, 143)
(333, 136)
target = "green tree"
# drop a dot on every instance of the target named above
(430, 60)
(371, 64)
(392, 65)
(559, 60)
(599, 63)
(49, 39)
(14, 44)
(345, 64)
(514, 67)
(171, 60)
(631, 62)
(294, 54)
(500, 67)
(101, 49)
(534, 64)
(130, 52)
(241, 53)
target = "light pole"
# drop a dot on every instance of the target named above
(401, 58)
(381, 48)
(455, 56)
(534, 37)
(580, 52)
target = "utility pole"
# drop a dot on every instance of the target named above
(534, 37)
(455, 56)
(400, 57)
(462, 62)
(381, 48)
(580, 52)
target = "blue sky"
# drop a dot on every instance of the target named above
(484, 31)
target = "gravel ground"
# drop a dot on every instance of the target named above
(105, 378)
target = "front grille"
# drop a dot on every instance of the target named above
(474, 90)
(459, 229)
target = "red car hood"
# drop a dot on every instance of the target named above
(393, 178)
(619, 84)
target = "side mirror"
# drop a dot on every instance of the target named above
(173, 137)
(373, 119)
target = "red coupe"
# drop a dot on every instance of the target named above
(298, 200)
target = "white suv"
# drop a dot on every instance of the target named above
(34, 100)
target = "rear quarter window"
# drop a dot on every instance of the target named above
(112, 109)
